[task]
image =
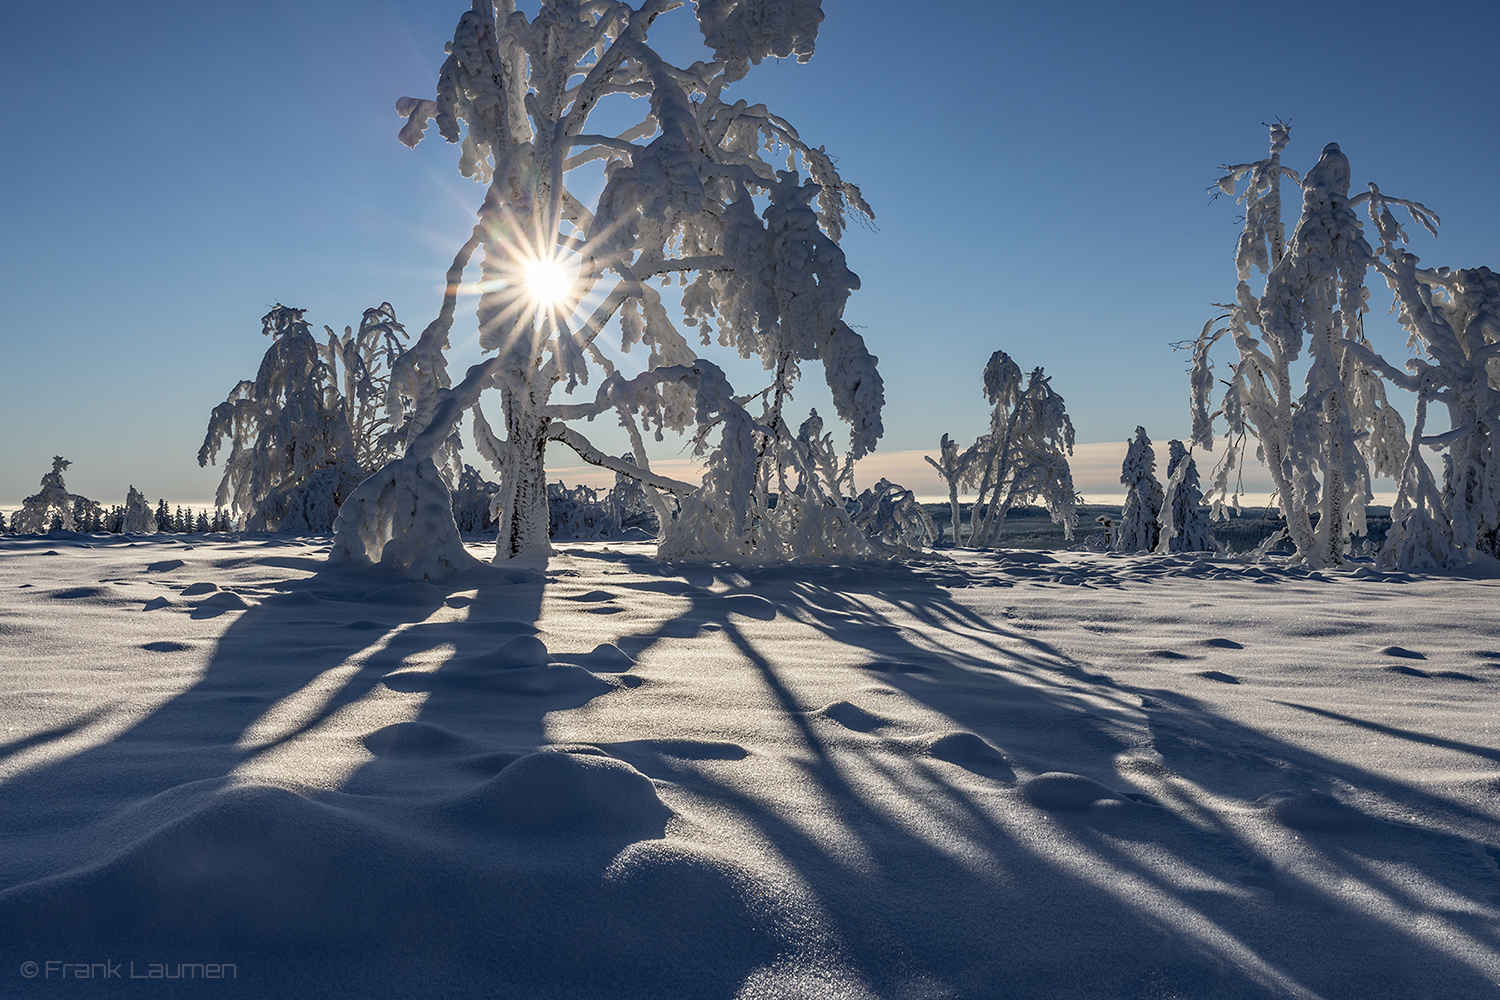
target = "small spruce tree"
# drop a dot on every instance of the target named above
(1140, 526)
(1184, 522)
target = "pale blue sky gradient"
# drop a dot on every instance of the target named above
(1039, 176)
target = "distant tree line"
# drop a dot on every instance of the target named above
(54, 508)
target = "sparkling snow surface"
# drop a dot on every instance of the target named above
(1014, 774)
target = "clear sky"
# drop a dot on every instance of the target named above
(1038, 173)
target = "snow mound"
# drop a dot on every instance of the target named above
(522, 651)
(248, 863)
(970, 752)
(1059, 791)
(417, 739)
(487, 673)
(568, 792)
(216, 604)
(1314, 811)
(851, 716)
(608, 656)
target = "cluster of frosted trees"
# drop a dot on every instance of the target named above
(1157, 519)
(1305, 382)
(54, 508)
(361, 433)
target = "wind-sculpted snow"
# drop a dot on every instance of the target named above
(1063, 773)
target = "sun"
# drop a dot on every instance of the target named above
(547, 281)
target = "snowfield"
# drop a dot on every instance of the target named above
(1019, 774)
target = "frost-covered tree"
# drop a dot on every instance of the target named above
(698, 186)
(1454, 317)
(1185, 526)
(300, 430)
(51, 507)
(1023, 459)
(1319, 443)
(1140, 518)
(138, 517)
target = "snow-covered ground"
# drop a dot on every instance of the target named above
(1019, 774)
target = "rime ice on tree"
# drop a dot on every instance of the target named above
(53, 506)
(139, 518)
(1319, 444)
(297, 442)
(682, 195)
(1140, 518)
(1184, 526)
(1022, 459)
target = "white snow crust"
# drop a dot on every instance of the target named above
(1028, 774)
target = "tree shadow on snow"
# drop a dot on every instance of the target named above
(1124, 875)
(917, 851)
(454, 860)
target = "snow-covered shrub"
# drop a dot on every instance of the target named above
(579, 513)
(1023, 458)
(297, 442)
(679, 197)
(474, 501)
(1140, 518)
(1319, 444)
(1185, 526)
(890, 516)
(52, 507)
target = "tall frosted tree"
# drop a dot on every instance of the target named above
(1140, 518)
(1321, 444)
(722, 194)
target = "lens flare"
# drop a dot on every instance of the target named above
(547, 281)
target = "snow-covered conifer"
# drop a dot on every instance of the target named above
(1140, 518)
(1184, 524)
(139, 518)
(1023, 458)
(52, 506)
(682, 195)
(164, 516)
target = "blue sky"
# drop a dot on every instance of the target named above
(1038, 173)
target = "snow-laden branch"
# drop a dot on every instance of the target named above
(558, 431)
